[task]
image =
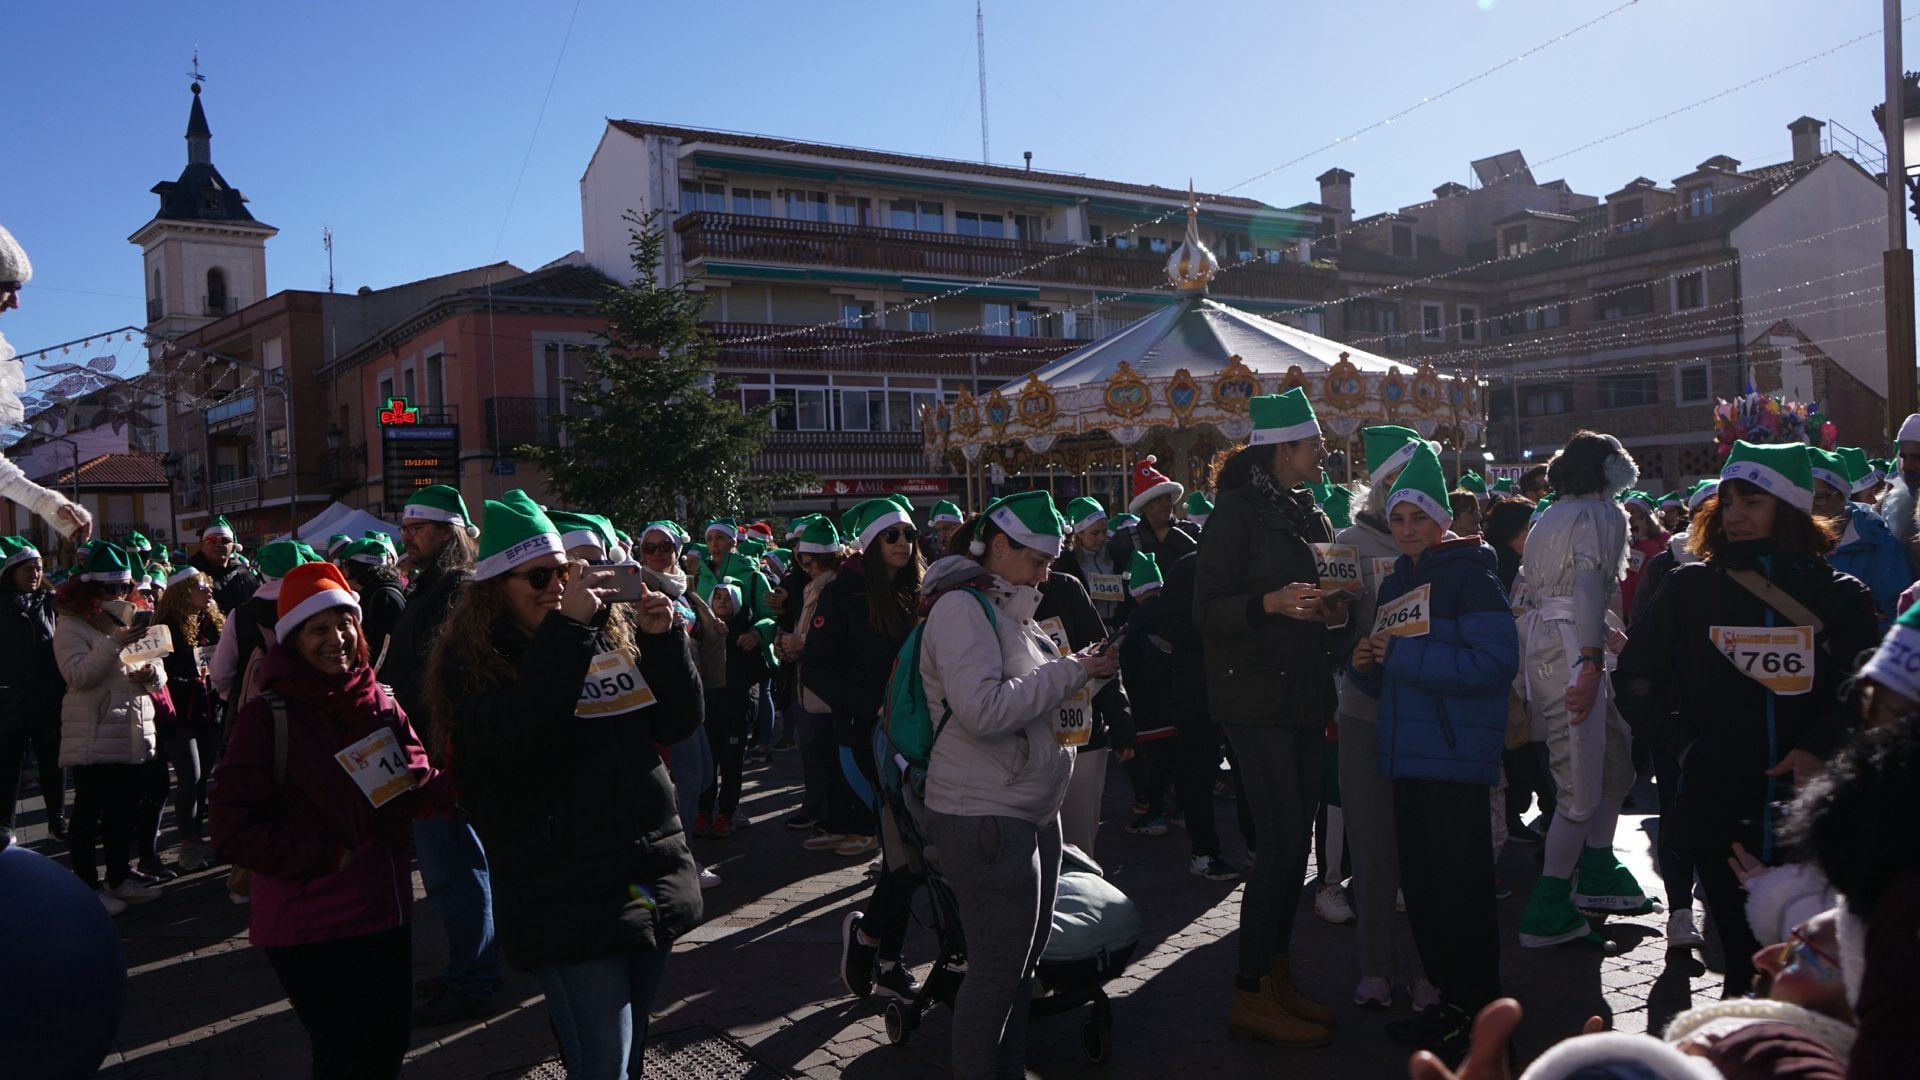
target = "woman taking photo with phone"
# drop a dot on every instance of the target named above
(551, 705)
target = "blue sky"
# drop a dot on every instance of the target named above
(403, 125)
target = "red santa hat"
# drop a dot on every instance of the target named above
(1150, 483)
(308, 590)
(761, 529)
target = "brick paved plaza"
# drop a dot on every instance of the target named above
(203, 1005)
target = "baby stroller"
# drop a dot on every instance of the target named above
(1095, 926)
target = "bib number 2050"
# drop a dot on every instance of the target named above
(612, 686)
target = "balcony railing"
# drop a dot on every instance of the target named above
(155, 309)
(236, 493)
(843, 453)
(219, 305)
(343, 466)
(749, 238)
(526, 421)
(846, 349)
(234, 408)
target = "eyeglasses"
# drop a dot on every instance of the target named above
(892, 536)
(664, 547)
(1798, 941)
(541, 576)
(117, 588)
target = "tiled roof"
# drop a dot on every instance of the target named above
(640, 129)
(564, 282)
(112, 470)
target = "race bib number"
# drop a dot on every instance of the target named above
(613, 686)
(1339, 566)
(157, 642)
(1381, 568)
(1108, 588)
(1409, 616)
(1635, 560)
(377, 766)
(1076, 713)
(203, 656)
(1779, 658)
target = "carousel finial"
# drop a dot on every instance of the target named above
(1191, 266)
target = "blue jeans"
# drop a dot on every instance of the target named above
(690, 763)
(454, 869)
(599, 1010)
(763, 716)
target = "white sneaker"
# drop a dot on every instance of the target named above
(1330, 903)
(1400, 901)
(1425, 995)
(708, 879)
(112, 903)
(194, 856)
(1373, 992)
(133, 892)
(1681, 931)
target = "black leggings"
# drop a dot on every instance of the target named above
(105, 799)
(727, 715)
(46, 760)
(1446, 870)
(1158, 761)
(1282, 769)
(355, 998)
(155, 784)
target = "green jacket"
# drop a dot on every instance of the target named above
(758, 596)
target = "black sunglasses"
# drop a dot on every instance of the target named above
(662, 547)
(892, 536)
(541, 576)
(117, 588)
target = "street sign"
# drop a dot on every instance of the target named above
(918, 485)
(504, 467)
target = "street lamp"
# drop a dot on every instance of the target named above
(1898, 119)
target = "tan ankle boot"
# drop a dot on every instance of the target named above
(1258, 1014)
(1290, 997)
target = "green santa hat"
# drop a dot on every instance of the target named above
(1896, 663)
(515, 530)
(667, 529)
(1198, 507)
(1423, 484)
(183, 574)
(727, 527)
(751, 547)
(1338, 505)
(1673, 498)
(819, 537)
(864, 523)
(1502, 488)
(336, 542)
(1143, 575)
(277, 559)
(1782, 470)
(107, 562)
(1473, 483)
(945, 511)
(1282, 418)
(366, 552)
(1641, 499)
(1540, 508)
(1084, 513)
(1029, 519)
(1859, 470)
(15, 550)
(1831, 469)
(584, 530)
(1388, 447)
(439, 503)
(1700, 491)
(778, 558)
(798, 525)
(1122, 521)
(219, 527)
(138, 543)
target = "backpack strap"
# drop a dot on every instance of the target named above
(279, 706)
(946, 710)
(1776, 598)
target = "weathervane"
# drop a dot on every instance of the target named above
(196, 76)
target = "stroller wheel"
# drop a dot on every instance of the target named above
(1097, 1039)
(899, 1023)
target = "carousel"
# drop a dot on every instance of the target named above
(1176, 384)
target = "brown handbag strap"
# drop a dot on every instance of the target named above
(1776, 598)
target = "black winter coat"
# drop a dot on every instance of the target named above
(1262, 669)
(1676, 687)
(380, 610)
(846, 661)
(1180, 542)
(1174, 622)
(578, 816)
(411, 639)
(1063, 597)
(233, 584)
(30, 683)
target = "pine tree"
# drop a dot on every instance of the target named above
(652, 432)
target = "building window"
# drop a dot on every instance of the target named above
(920, 321)
(1626, 216)
(436, 382)
(386, 390)
(805, 409)
(1629, 391)
(996, 319)
(695, 197)
(918, 215)
(406, 386)
(277, 451)
(1544, 400)
(852, 210)
(1695, 384)
(1433, 322)
(854, 316)
(1028, 322)
(1025, 227)
(1513, 241)
(1623, 302)
(753, 201)
(969, 223)
(1158, 245)
(1699, 201)
(1469, 322)
(807, 205)
(216, 291)
(863, 410)
(1690, 291)
(1403, 240)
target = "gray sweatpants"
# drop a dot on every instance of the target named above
(1003, 871)
(1366, 797)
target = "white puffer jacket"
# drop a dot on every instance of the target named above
(107, 718)
(998, 755)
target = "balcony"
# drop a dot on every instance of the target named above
(526, 421)
(747, 238)
(155, 309)
(343, 466)
(235, 494)
(225, 415)
(219, 305)
(845, 349)
(843, 453)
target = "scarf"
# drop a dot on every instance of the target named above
(1295, 506)
(673, 581)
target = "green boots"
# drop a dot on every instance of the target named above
(1607, 887)
(1550, 918)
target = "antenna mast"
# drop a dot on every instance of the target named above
(326, 240)
(980, 33)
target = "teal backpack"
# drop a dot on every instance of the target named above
(906, 725)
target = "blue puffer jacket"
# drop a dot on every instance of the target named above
(1876, 557)
(1443, 696)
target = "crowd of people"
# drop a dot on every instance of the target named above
(553, 717)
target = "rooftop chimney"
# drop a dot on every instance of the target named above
(1336, 190)
(1806, 139)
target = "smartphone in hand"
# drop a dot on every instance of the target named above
(625, 583)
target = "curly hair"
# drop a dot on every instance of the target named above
(1860, 820)
(464, 663)
(180, 609)
(1589, 463)
(1795, 532)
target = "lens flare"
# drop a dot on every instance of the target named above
(644, 895)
